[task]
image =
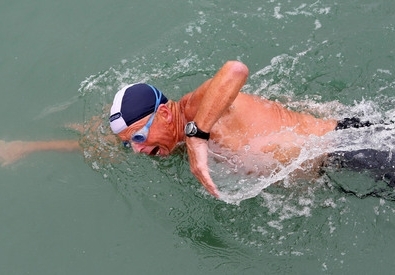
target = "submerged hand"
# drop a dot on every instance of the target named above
(197, 152)
(12, 151)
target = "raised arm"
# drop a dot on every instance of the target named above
(207, 104)
(220, 94)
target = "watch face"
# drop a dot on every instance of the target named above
(190, 129)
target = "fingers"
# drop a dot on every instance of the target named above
(204, 178)
(212, 189)
(197, 152)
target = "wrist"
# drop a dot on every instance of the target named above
(192, 130)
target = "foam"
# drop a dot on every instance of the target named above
(377, 137)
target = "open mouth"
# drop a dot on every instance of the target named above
(154, 151)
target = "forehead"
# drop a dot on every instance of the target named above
(127, 133)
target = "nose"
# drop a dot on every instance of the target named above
(137, 148)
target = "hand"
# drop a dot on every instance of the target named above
(197, 152)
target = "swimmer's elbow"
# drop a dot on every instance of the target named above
(237, 69)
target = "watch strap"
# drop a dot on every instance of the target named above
(201, 134)
(194, 131)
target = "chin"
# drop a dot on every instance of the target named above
(163, 152)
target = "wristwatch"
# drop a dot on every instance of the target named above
(191, 130)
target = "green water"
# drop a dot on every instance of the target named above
(61, 62)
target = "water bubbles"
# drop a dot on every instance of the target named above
(317, 24)
(95, 166)
(247, 148)
(277, 14)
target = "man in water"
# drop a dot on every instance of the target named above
(215, 116)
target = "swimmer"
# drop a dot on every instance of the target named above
(216, 116)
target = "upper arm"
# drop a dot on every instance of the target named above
(208, 102)
(192, 100)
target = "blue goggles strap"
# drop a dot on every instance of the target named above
(158, 98)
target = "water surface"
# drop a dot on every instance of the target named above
(75, 214)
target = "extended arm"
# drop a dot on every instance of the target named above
(213, 98)
(92, 139)
(12, 151)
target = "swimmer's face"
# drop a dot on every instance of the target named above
(160, 139)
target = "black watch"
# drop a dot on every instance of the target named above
(191, 130)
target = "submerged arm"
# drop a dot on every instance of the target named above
(11, 152)
(93, 138)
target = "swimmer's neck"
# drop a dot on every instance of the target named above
(179, 120)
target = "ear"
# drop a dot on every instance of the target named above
(165, 113)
